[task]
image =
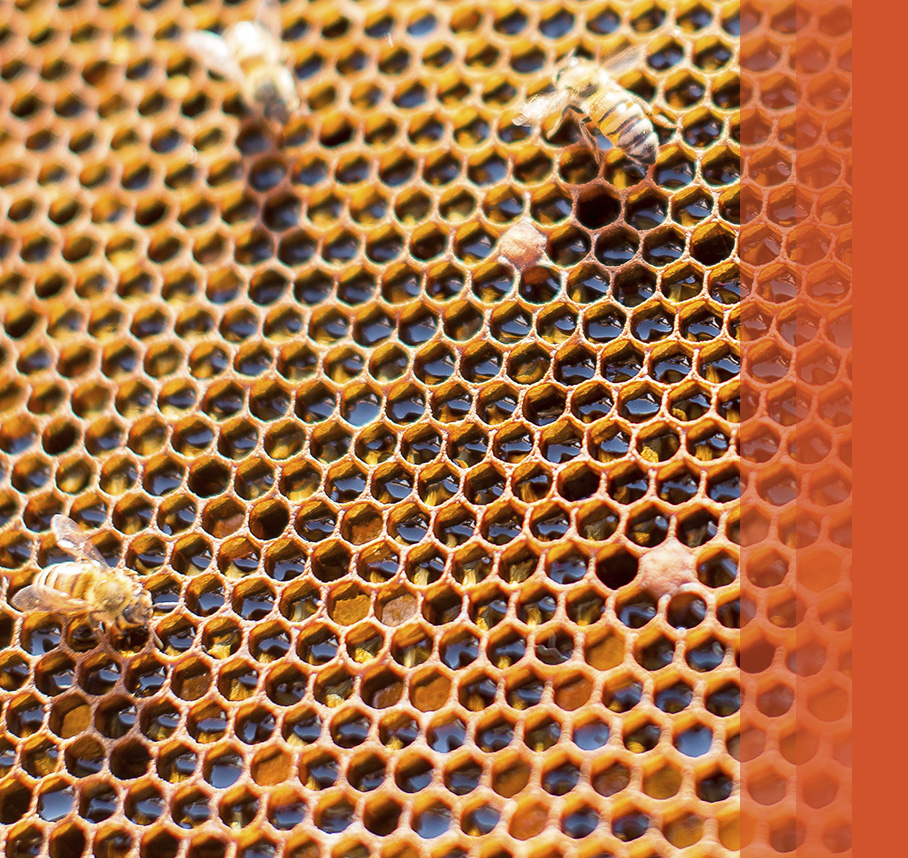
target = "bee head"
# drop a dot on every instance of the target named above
(577, 75)
(139, 611)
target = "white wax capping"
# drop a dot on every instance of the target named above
(522, 245)
(666, 569)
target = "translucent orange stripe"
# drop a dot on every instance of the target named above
(796, 436)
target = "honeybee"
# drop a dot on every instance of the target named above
(87, 586)
(589, 87)
(250, 53)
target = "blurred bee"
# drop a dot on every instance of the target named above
(87, 586)
(250, 53)
(591, 88)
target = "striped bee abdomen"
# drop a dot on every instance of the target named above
(79, 582)
(626, 126)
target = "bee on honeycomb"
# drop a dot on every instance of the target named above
(251, 54)
(591, 88)
(86, 586)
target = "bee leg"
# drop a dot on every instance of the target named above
(554, 129)
(650, 111)
(590, 141)
(664, 121)
(97, 627)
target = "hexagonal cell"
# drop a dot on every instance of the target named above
(40, 757)
(269, 641)
(541, 732)
(130, 759)
(654, 651)
(191, 680)
(647, 525)
(666, 245)
(556, 323)
(284, 684)
(381, 687)
(345, 482)
(55, 673)
(640, 402)
(176, 762)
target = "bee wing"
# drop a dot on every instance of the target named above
(212, 50)
(268, 17)
(73, 540)
(624, 60)
(32, 598)
(540, 107)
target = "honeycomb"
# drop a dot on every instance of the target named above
(795, 440)
(442, 536)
